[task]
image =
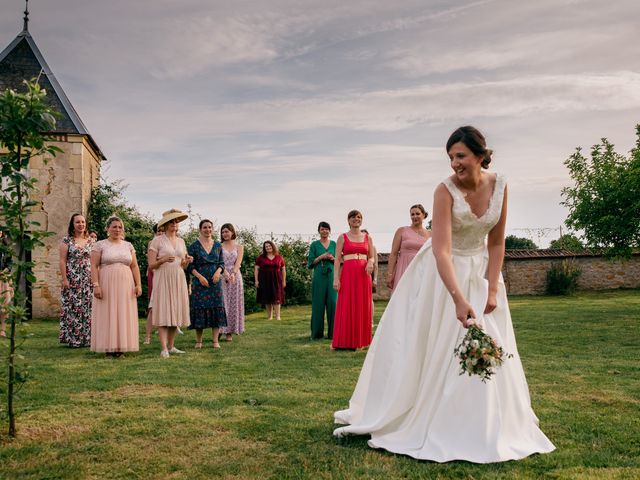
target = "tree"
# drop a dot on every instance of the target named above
(567, 242)
(24, 120)
(511, 242)
(605, 200)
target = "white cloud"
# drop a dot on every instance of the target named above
(394, 110)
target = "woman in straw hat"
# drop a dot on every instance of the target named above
(170, 297)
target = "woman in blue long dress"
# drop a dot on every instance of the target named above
(207, 301)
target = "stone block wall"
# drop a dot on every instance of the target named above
(64, 187)
(527, 276)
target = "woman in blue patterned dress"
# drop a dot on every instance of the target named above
(76, 295)
(207, 301)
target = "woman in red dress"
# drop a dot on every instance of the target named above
(271, 279)
(353, 266)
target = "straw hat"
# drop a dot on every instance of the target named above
(173, 214)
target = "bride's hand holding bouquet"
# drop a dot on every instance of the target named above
(465, 313)
(479, 354)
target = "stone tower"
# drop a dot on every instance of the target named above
(64, 182)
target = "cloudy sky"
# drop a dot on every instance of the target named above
(280, 113)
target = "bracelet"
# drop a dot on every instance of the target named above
(96, 284)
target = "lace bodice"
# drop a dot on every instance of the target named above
(468, 230)
(112, 253)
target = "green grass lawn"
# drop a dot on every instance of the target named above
(261, 407)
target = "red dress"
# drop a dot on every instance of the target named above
(352, 324)
(270, 284)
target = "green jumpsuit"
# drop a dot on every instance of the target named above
(323, 296)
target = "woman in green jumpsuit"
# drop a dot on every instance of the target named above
(323, 296)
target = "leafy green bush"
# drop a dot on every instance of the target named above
(511, 242)
(567, 242)
(604, 201)
(562, 277)
(295, 252)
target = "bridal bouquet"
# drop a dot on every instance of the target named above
(479, 354)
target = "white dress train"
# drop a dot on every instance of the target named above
(410, 397)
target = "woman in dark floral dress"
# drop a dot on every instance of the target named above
(75, 270)
(207, 301)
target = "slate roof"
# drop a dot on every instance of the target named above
(22, 60)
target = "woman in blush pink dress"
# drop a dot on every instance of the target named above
(167, 256)
(115, 277)
(406, 243)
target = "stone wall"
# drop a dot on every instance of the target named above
(64, 187)
(526, 275)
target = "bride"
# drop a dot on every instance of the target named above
(410, 397)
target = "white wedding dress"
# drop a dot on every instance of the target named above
(410, 397)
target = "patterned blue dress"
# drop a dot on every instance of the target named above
(207, 303)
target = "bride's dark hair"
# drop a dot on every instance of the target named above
(474, 141)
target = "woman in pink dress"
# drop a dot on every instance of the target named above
(406, 243)
(115, 277)
(353, 266)
(232, 286)
(167, 256)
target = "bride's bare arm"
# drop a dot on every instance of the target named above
(441, 244)
(495, 245)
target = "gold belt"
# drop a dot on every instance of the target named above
(355, 256)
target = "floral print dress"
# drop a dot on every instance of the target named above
(233, 296)
(207, 303)
(75, 301)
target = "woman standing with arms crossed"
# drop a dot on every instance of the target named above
(323, 297)
(232, 286)
(76, 295)
(115, 277)
(270, 276)
(406, 243)
(352, 281)
(170, 298)
(207, 302)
